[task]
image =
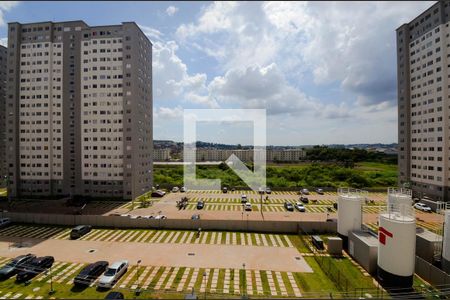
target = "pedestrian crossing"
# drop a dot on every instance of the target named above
(153, 236)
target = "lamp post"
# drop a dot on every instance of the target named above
(138, 290)
(51, 291)
(244, 284)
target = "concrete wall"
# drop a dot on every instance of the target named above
(425, 247)
(430, 273)
(185, 224)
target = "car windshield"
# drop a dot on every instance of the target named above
(110, 272)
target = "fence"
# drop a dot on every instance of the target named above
(431, 273)
(180, 224)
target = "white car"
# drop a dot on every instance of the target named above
(244, 198)
(113, 274)
(5, 222)
(305, 191)
(175, 189)
(160, 217)
(422, 207)
(183, 189)
(300, 207)
(248, 206)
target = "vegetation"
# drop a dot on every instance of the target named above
(347, 157)
(333, 175)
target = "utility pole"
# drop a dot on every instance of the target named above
(138, 290)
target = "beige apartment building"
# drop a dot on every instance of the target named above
(423, 66)
(287, 155)
(161, 154)
(79, 110)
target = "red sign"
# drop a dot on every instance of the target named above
(382, 233)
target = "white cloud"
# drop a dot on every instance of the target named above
(171, 10)
(168, 113)
(6, 6)
(4, 41)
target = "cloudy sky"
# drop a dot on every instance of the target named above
(324, 71)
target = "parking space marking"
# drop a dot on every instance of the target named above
(219, 238)
(237, 289)
(130, 276)
(175, 237)
(144, 237)
(226, 284)
(154, 237)
(71, 272)
(204, 237)
(215, 278)
(258, 241)
(150, 278)
(272, 288)
(213, 238)
(281, 284)
(168, 237)
(162, 278)
(141, 277)
(249, 239)
(234, 239)
(249, 282)
(288, 240)
(280, 242)
(193, 279)
(227, 238)
(172, 278)
(125, 237)
(243, 242)
(259, 286)
(163, 235)
(56, 266)
(184, 276)
(59, 272)
(112, 236)
(294, 285)
(203, 285)
(6, 296)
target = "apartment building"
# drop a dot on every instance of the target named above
(161, 154)
(423, 65)
(79, 110)
(287, 155)
(3, 164)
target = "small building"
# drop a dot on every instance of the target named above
(363, 247)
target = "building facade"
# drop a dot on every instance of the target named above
(161, 154)
(3, 163)
(79, 110)
(423, 58)
(287, 155)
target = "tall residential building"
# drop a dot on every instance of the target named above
(3, 164)
(423, 68)
(79, 110)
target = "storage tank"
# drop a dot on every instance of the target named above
(446, 243)
(349, 211)
(400, 196)
(397, 245)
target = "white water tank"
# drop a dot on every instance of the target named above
(400, 196)
(397, 245)
(349, 210)
(446, 244)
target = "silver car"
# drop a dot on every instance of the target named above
(113, 274)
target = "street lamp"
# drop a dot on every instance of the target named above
(51, 291)
(138, 290)
(244, 284)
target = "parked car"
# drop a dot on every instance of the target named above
(244, 199)
(135, 217)
(115, 295)
(175, 189)
(225, 190)
(90, 273)
(248, 206)
(148, 217)
(261, 190)
(79, 231)
(183, 189)
(304, 192)
(15, 265)
(195, 217)
(160, 217)
(288, 206)
(35, 267)
(304, 199)
(268, 191)
(300, 207)
(422, 206)
(113, 274)
(158, 193)
(4, 222)
(319, 191)
(200, 204)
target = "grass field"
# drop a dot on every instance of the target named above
(365, 174)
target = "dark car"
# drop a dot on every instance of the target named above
(158, 193)
(90, 273)
(195, 217)
(225, 190)
(115, 295)
(15, 265)
(304, 199)
(79, 231)
(200, 204)
(289, 206)
(35, 267)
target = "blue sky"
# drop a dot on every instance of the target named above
(324, 71)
